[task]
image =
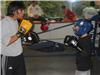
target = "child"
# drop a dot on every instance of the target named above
(12, 55)
(83, 59)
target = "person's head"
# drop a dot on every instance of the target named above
(16, 9)
(83, 26)
(63, 7)
(34, 3)
(92, 3)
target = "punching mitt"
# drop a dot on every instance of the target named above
(31, 38)
(72, 41)
(24, 27)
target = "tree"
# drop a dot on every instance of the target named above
(51, 8)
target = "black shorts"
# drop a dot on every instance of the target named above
(83, 59)
(13, 65)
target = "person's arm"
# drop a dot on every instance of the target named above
(13, 39)
(40, 11)
(71, 14)
(8, 40)
(29, 11)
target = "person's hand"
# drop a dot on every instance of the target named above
(36, 16)
(75, 28)
(13, 39)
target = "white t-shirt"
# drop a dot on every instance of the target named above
(9, 27)
(36, 10)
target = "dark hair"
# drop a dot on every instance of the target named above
(35, 2)
(13, 6)
(92, 3)
(63, 7)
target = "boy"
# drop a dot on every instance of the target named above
(83, 58)
(12, 55)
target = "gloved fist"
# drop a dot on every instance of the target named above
(72, 41)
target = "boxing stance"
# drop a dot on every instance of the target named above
(82, 30)
(83, 45)
(12, 59)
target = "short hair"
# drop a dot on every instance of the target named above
(63, 6)
(92, 3)
(35, 2)
(13, 6)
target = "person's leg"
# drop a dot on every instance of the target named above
(83, 63)
(74, 19)
(3, 63)
(67, 20)
(0, 65)
(42, 19)
(20, 67)
(15, 65)
(9, 66)
(82, 72)
(83, 59)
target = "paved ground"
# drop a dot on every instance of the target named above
(55, 63)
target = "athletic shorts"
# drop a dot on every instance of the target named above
(83, 59)
(13, 65)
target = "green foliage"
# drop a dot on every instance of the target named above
(51, 8)
(79, 6)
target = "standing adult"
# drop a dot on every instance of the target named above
(69, 16)
(35, 12)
